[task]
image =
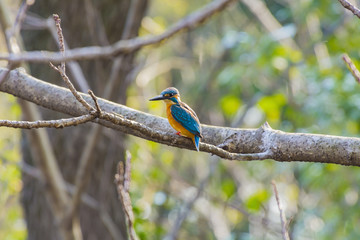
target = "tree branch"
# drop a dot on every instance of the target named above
(350, 7)
(122, 46)
(354, 71)
(61, 123)
(284, 231)
(246, 144)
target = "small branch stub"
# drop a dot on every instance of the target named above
(350, 64)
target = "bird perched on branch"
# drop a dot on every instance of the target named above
(181, 117)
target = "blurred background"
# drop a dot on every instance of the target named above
(275, 60)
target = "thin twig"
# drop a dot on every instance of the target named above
(346, 4)
(73, 66)
(122, 180)
(60, 39)
(122, 46)
(72, 88)
(62, 70)
(354, 71)
(91, 93)
(284, 231)
(60, 123)
(35, 22)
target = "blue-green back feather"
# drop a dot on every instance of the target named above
(197, 140)
(183, 114)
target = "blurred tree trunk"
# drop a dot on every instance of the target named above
(84, 23)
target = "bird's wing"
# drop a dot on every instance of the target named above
(183, 114)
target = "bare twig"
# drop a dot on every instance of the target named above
(122, 46)
(354, 71)
(98, 110)
(346, 4)
(60, 38)
(284, 231)
(61, 123)
(61, 69)
(73, 66)
(122, 180)
(35, 22)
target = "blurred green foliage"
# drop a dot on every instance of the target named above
(12, 225)
(234, 72)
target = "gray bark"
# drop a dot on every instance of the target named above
(284, 146)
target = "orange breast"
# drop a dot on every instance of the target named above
(176, 125)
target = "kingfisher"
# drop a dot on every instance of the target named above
(181, 117)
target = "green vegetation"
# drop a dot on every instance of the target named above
(233, 72)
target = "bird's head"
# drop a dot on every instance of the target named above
(170, 95)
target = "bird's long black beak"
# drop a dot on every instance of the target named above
(160, 97)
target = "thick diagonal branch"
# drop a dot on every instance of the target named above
(265, 142)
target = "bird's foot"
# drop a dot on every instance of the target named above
(178, 133)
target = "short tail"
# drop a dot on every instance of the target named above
(196, 142)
